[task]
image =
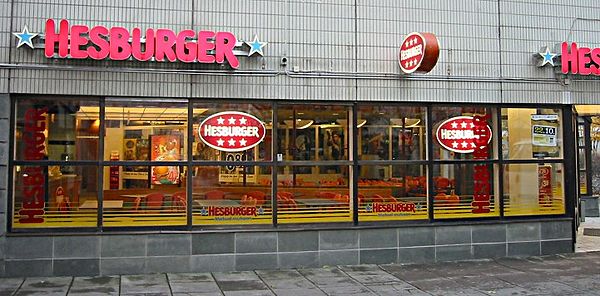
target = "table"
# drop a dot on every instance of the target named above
(318, 202)
(106, 204)
(216, 203)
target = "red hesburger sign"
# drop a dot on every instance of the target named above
(232, 131)
(461, 134)
(419, 52)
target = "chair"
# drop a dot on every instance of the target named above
(215, 194)
(327, 195)
(179, 202)
(63, 204)
(154, 201)
(136, 204)
(259, 196)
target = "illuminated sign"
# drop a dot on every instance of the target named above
(232, 131)
(573, 59)
(419, 52)
(118, 43)
(459, 134)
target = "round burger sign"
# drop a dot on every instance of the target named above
(419, 52)
(462, 133)
(232, 131)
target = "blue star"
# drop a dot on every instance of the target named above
(25, 37)
(369, 208)
(203, 212)
(548, 57)
(256, 46)
(261, 211)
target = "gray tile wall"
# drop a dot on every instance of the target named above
(199, 252)
(487, 49)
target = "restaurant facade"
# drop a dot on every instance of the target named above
(146, 136)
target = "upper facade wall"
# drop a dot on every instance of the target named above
(487, 49)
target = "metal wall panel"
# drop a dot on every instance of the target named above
(175, 15)
(485, 46)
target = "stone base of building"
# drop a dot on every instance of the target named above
(109, 254)
(590, 206)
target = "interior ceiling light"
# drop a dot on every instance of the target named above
(344, 122)
(408, 122)
(300, 123)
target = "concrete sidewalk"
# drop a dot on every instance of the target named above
(572, 274)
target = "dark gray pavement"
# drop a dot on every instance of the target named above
(569, 274)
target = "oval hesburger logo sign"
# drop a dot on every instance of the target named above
(232, 131)
(460, 134)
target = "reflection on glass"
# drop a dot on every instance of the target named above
(231, 195)
(304, 195)
(533, 189)
(391, 132)
(464, 191)
(145, 131)
(132, 198)
(67, 129)
(46, 196)
(313, 132)
(397, 192)
(531, 133)
(202, 149)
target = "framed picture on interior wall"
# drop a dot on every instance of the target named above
(165, 148)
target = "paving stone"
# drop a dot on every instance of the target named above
(192, 287)
(239, 285)
(101, 285)
(347, 290)
(292, 283)
(45, 286)
(9, 285)
(190, 277)
(148, 283)
(298, 292)
(249, 293)
(235, 276)
(396, 290)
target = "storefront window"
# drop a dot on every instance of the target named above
(149, 133)
(133, 198)
(533, 189)
(306, 195)
(465, 190)
(391, 133)
(68, 128)
(55, 196)
(230, 152)
(225, 195)
(232, 132)
(145, 131)
(457, 131)
(531, 133)
(313, 132)
(401, 196)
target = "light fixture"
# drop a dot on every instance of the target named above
(300, 123)
(344, 122)
(408, 122)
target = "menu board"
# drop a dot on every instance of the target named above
(165, 148)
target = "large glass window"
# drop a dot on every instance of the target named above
(463, 188)
(152, 134)
(61, 131)
(533, 189)
(116, 162)
(314, 141)
(532, 146)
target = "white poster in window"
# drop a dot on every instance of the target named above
(544, 135)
